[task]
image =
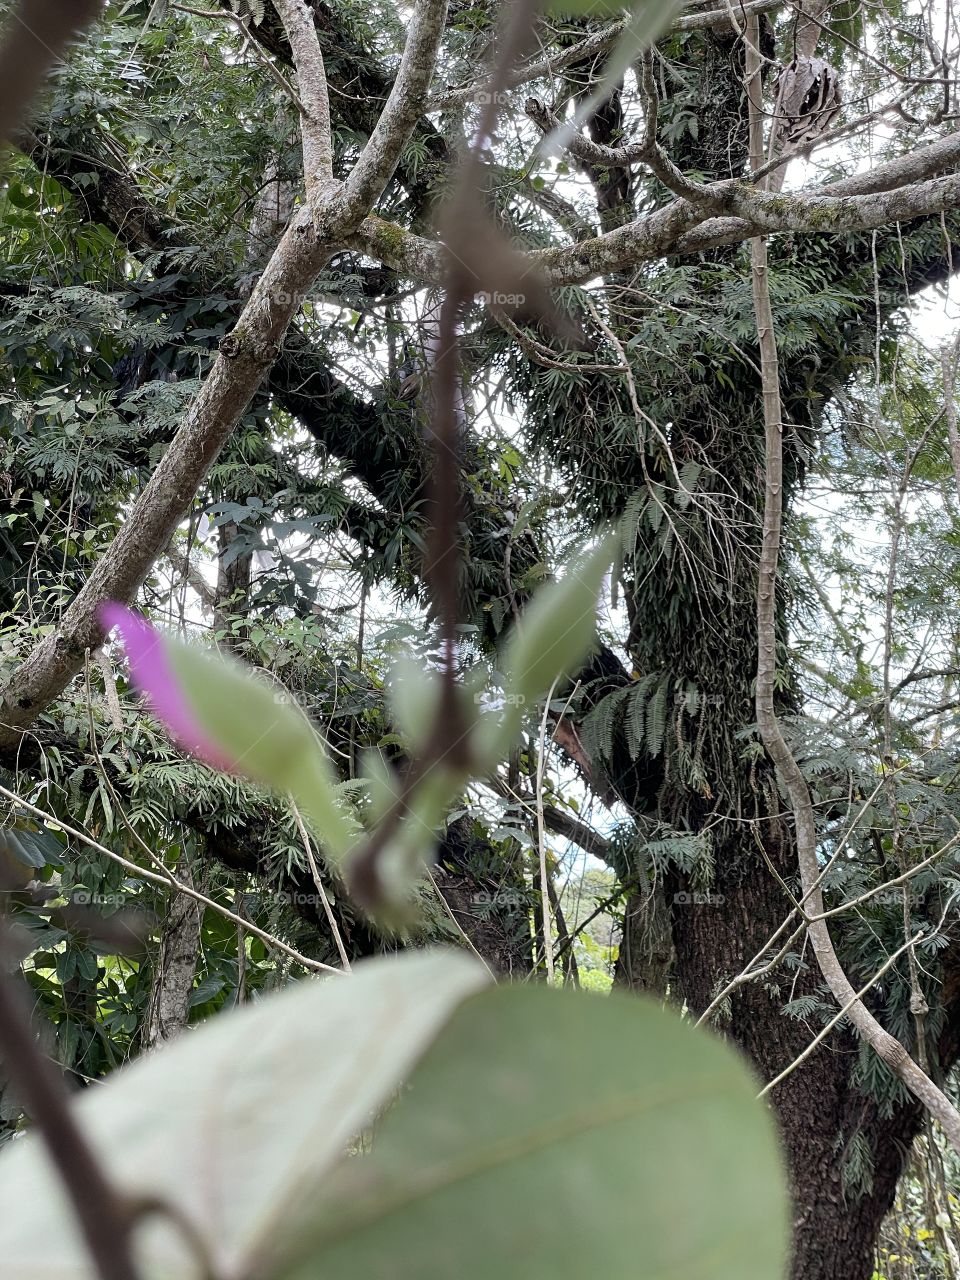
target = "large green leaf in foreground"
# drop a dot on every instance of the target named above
(551, 1134)
(230, 1120)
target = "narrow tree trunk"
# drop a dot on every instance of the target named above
(233, 587)
(176, 967)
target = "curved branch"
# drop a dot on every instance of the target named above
(887, 1047)
(684, 228)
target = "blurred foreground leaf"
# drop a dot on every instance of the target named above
(552, 1134)
(229, 1121)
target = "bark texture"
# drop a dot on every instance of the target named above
(176, 967)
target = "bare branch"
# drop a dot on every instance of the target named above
(104, 1215)
(647, 152)
(314, 100)
(887, 1047)
(948, 361)
(404, 107)
(591, 47)
(167, 880)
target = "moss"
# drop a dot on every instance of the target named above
(390, 238)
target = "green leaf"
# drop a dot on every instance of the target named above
(551, 639)
(558, 628)
(34, 849)
(260, 729)
(551, 1135)
(230, 1120)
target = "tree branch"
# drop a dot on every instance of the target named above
(684, 228)
(647, 151)
(404, 107)
(888, 1048)
(245, 356)
(314, 99)
(591, 47)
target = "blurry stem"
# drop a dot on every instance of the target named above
(542, 839)
(105, 1217)
(34, 38)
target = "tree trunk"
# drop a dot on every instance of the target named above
(690, 584)
(822, 1114)
(176, 967)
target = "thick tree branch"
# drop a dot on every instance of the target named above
(314, 98)
(245, 356)
(404, 107)
(362, 85)
(684, 228)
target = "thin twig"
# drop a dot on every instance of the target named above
(891, 1051)
(315, 873)
(168, 881)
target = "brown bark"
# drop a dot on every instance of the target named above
(819, 1107)
(176, 967)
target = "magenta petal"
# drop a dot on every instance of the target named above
(153, 675)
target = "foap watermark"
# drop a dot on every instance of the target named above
(894, 898)
(494, 699)
(283, 898)
(87, 898)
(510, 301)
(698, 899)
(484, 98)
(499, 898)
(287, 298)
